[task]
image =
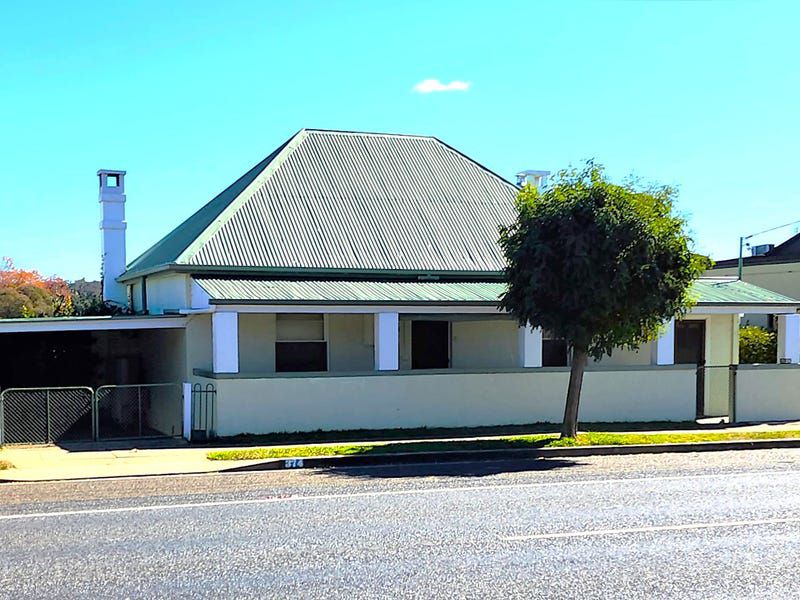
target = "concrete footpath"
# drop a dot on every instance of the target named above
(46, 463)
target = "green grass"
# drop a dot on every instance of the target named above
(365, 435)
(502, 443)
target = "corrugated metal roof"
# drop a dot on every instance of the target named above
(722, 290)
(352, 201)
(350, 292)
(270, 291)
(170, 247)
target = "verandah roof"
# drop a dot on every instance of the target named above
(707, 291)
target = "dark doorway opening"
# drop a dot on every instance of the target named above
(430, 344)
(690, 349)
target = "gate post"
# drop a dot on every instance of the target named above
(732, 394)
(2, 419)
(187, 411)
(47, 414)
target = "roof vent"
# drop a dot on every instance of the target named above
(537, 179)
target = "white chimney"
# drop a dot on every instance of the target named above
(537, 179)
(112, 230)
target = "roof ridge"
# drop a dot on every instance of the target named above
(370, 133)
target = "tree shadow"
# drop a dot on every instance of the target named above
(459, 468)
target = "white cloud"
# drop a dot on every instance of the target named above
(427, 86)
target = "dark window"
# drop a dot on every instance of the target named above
(430, 344)
(554, 353)
(301, 356)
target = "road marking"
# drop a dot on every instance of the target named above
(377, 494)
(653, 529)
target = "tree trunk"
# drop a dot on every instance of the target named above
(579, 359)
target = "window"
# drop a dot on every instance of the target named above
(301, 344)
(112, 180)
(554, 350)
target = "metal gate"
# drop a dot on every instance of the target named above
(138, 411)
(60, 414)
(46, 415)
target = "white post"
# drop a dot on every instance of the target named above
(788, 339)
(530, 346)
(225, 342)
(187, 411)
(387, 341)
(112, 228)
(664, 347)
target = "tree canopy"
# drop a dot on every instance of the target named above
(599, 264)
(29, 294)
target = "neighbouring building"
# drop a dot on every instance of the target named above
(350, 280)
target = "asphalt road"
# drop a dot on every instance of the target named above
(712, 525)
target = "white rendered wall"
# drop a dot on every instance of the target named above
(257, 343)
(767, 393)
(378, 401)
(350, 342)
(484, 344)
(167, 293)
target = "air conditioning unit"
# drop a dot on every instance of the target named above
(761, 249)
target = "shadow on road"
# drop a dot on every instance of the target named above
(453, 469)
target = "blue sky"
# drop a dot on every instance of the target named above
(188, 95)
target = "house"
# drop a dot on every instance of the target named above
(350, 280)
(775, 268)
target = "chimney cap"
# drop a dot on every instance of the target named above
(110, 172)
(533, 176)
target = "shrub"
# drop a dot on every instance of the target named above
(757, 345)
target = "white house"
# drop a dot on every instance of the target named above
(350, 280)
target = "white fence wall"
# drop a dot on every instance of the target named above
(448, 399)
(767, 393)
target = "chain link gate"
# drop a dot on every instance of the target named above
(46, 415)
(138, 411)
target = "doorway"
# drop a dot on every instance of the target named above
(690, 349)
(430, 344)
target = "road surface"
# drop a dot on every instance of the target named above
(712, 525)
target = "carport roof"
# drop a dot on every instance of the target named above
(707, 291)
(52, 324)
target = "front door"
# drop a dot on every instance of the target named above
(430, 344)
(690, 349)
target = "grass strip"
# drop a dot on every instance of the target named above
(501, 443)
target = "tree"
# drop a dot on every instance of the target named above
(599, 264)
(28, 294)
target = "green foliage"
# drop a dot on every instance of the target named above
(499, 443)
(757, 345)
(599, 264)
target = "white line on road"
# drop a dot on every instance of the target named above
(654, 529)
(377, 494)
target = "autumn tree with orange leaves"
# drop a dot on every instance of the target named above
(29, 294)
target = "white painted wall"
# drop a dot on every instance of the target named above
(487, 344)
(168, 292)
(350, 343)
(198, 343)
(257, 343)
(447, 399)
(767, 393)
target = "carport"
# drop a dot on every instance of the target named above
(87, 378)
